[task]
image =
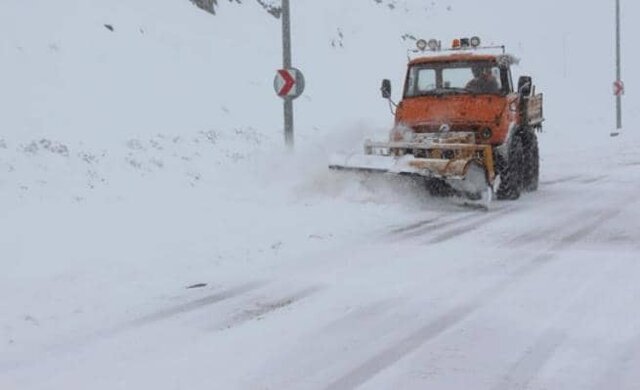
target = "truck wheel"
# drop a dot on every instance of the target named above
(511, 171)
(532, 163)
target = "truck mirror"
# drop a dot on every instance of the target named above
(525, 85)
(386, 89)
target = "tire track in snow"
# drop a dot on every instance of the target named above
(196, 304)
(370, 368)
(576, 220)
(529, 365)
(391, 355)
(592, 180)
(432, 225)
(468, 228)
(76, 343)
(534, 359)
(547, 233)
(625, 364)
(415, 226)
(466, 222)
(586, 230)
(561, 180)
(298, 365)
(361, 315)
(258, 310)
(582, 179)
(477, 219)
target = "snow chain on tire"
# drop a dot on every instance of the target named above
(511, 170)
(532, 162)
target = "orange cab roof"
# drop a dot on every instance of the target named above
(456, 57)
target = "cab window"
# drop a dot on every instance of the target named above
(475, 77)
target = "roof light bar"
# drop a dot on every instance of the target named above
(458, 44)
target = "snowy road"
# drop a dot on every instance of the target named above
(154, 234)
(540, 294)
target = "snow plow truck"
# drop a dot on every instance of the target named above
(462, 124)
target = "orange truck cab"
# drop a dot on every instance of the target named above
(436, 94)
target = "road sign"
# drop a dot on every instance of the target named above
(289, 83)
(618, 88)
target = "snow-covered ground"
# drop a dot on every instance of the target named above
(140, 162)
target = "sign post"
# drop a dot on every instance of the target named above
(618, 85)
(289, 85)
(289, 81)
(286, 64)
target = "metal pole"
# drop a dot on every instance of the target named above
(618, 67)
(286, 64)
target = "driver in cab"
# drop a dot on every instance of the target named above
(483, 81)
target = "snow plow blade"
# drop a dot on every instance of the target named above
(466, 167)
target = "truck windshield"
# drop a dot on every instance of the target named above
(454, 78)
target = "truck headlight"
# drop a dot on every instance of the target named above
(401, 134)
